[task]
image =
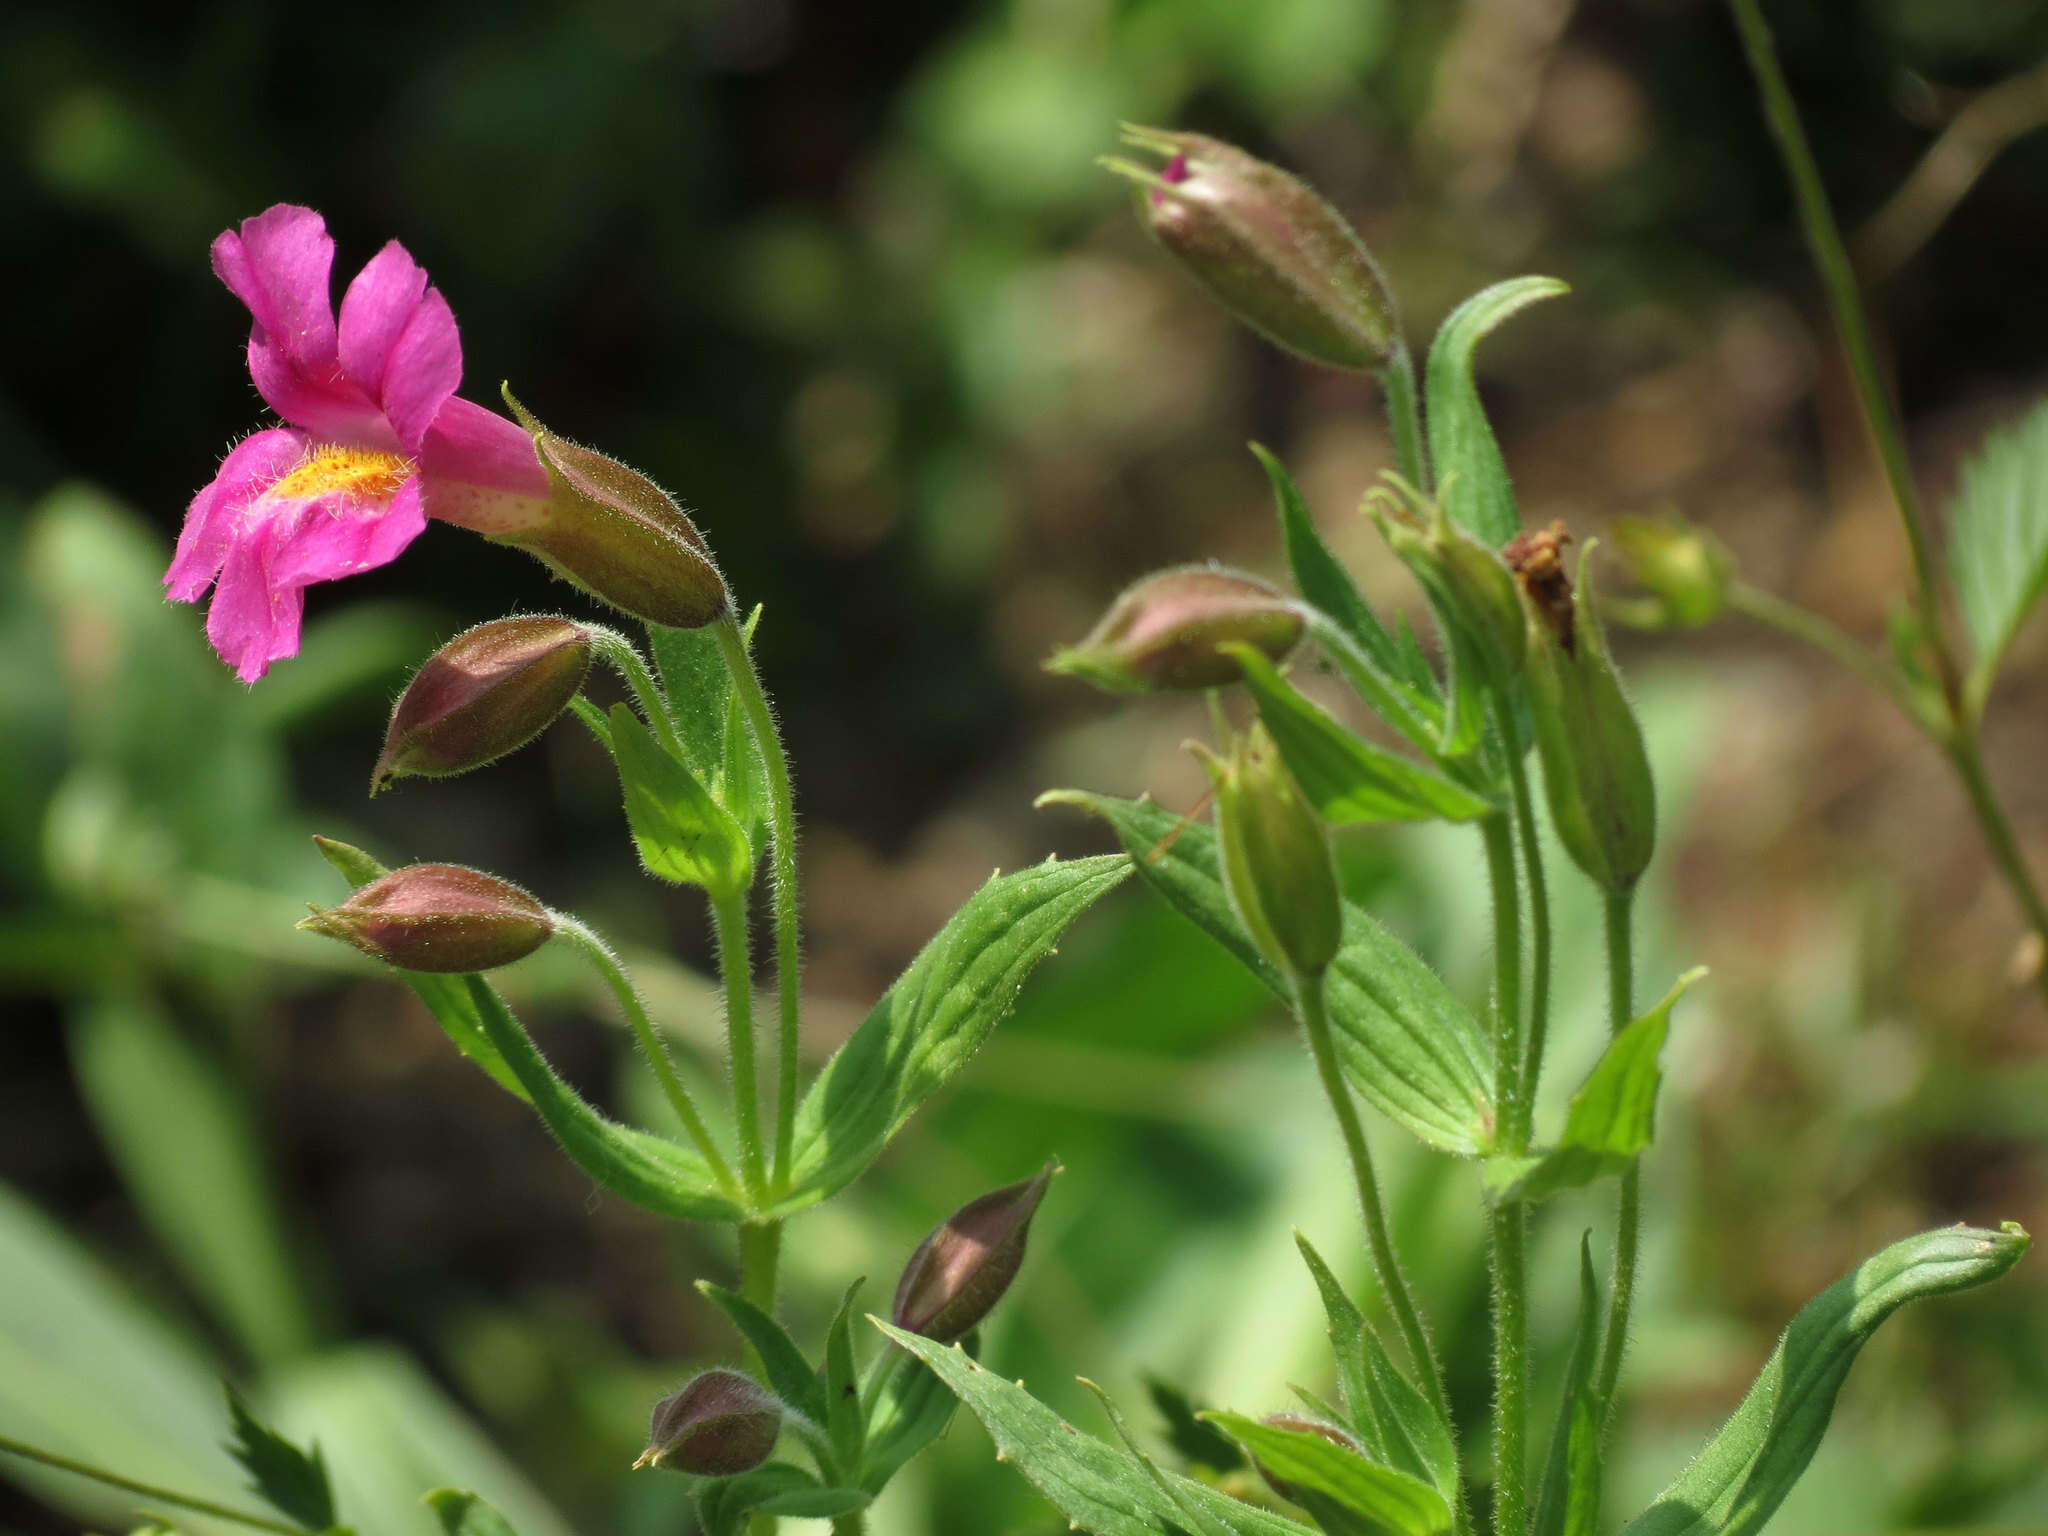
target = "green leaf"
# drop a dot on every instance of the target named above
(1385, 1499)
(1098, 1487)
(1612, 1117)
(694, 676)
(911, 1408)
(1472, 477)
(1738, 1481)
(933, 1019)
(1569, 1504)
(790, 1375)
(288, 1479)
(446, 998)
(462, 1513)
(1419, 1442)
(1347, 1343)
(1348, 779)
(1198, 1443)
(778, 1488)
(1321, 577)
(654, 1174)
(1404, 1040)
(683, 834)
(1998, 539)
(191, 1158)
(842, 1385)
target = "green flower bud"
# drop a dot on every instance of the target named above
(1277, 867)
(620, 537)
(1166, 633)
(438, 917)
(1273, 252)
(487, 692)
(1465, 578)
(1596, 774)
(1684, 571)
(721, 1424)
(962, 1269)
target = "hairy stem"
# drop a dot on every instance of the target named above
(788, 938)
(148, 1491)
(1507, 1226)
(1510, 1114)
(735, 970)
(1386, 1264)
(1628, 1224)
(625, 658)
(600, 955)
(1845, 301)
(1539, 945)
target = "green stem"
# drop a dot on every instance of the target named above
(1968, 758)
(1509, 1113)
(852, 1523)
(625, 657)
(1800, 624)
(1845, 300)
(788, 940)
(735, 970)
(146, 1490)
(600, 955)
(1404, 415)
(760, 1253)
(1315, 1021)
(1620, 1009)
(1539, 945)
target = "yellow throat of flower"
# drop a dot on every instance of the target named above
(361, 474)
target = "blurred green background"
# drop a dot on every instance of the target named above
(846, 278)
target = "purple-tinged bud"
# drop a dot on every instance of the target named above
(487, 692)
(1166, 634)
(1267, 246)
(1302, 1424)
(619, 536)
(962, 1269)
(1684, 571)
(721, 1424)
(1277, 868)
(438, 917)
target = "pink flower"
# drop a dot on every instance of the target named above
(375, 441)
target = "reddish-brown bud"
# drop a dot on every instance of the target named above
(1166, 633)
(1301, 1423)
(721, 1424)
(619, 536)
(1264, 243)
(487, 692)
(962, 1269)
(438, 917)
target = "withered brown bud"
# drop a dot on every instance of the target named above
(619, 536)
(962, 1269)
(438, 917)
(721, 1424)
(1165, 633)
(1267, 246)
(487, 692)
(1537, 559)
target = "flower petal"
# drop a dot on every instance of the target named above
(214, 520)
(253, 622)
(399, 344)
(280, 264)
(481, 471)
(339, 535)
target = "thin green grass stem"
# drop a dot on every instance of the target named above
(148, 1491)
(1628, 1223)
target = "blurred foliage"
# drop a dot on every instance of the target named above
(847, 279)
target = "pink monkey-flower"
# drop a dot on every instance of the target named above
(374, 441)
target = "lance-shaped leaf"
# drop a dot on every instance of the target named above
(934, 1018)
(1612, 1118)
(843, 1417)
(1569, 1504)
(654, 1174)
(682, 832)
(1403, 1039)
(1347, 1344)
(1100, 1488)
(788, 1372)
(907, 1409)
(1739, 1480)
(779, 1488)
(1383, 1499)
(446, 997)
(1348, 779)
(1470, 470)
(1998, 539)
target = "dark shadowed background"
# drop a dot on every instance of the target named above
(847, 280)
